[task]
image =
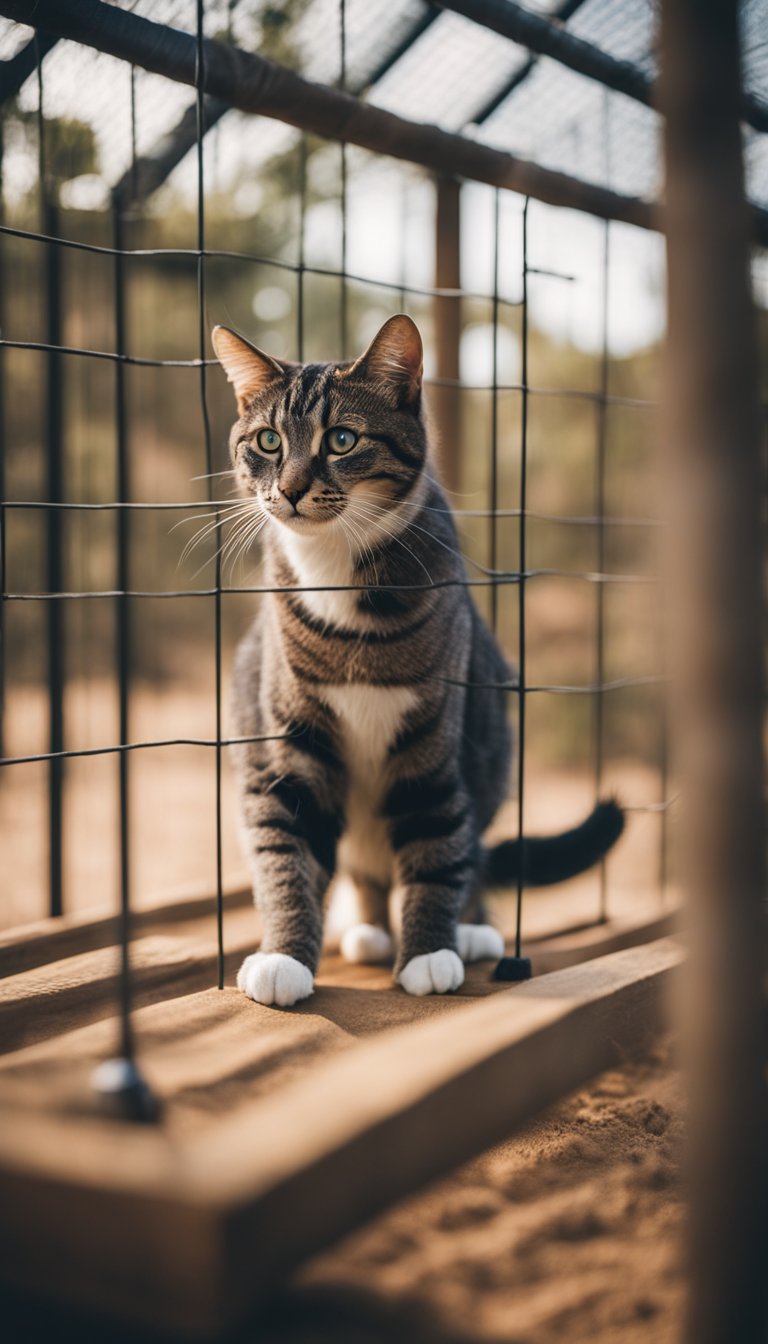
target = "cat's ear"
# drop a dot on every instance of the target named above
(249, 370)
(396, 357)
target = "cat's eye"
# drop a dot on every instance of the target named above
(268, 440)
(340, 440)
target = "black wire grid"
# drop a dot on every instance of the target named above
(54, 505)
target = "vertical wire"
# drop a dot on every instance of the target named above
(600, 453)
(301, 273)
(403, 238)
(522, 564)
(202, 347)
(344, 313)
(123, 627)
(494, 492)
(54, 539)
(3, 440)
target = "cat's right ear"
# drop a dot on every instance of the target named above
(249, 370)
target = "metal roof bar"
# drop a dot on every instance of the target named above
(253, 84)
(562, 13)
(150, 171)
(15, 72)
(549, 39)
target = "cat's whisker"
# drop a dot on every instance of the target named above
(400, 503)
(481, 568)
(248, 536)
(364, 549)
(212, 506)
(381, 518)
(208, 528)
(215, 529)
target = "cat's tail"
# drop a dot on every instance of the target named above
(554, 858)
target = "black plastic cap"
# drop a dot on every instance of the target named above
(122, 1094)
(513, 968)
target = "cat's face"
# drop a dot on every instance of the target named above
(327, 444)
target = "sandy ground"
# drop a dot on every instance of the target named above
(569, 1232)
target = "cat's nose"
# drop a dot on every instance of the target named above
(293, 496)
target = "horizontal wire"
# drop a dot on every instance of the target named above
(570, 520)
(279, 263)
(105, 354)
(141, 746)
(652, 807)
(287, 737)
(584, 394)
(595, 688)
(499, 577)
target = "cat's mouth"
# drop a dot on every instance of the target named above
(306, 516)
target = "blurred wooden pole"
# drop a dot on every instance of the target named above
(446, 401)
(712, 447)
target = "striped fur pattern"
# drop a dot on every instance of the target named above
(384, 765)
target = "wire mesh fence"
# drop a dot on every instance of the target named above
(49, 263)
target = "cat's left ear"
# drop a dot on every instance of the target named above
(248, 369)
(395, 357)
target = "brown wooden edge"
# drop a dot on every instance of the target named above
(26, 946)
(79, 987)
(189, 1236)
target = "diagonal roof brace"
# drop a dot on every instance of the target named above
(253, 84)
(16, 71)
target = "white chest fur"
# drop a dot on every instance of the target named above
(369, 718)
(323, 562)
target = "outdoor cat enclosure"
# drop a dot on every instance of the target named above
(209, 1201)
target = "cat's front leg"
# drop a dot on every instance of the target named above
(433, 836)
(291, 838)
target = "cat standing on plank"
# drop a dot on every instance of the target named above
(373, 675)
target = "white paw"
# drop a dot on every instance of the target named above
(367, 943)
(479, 941)
(272, 977)
(434, 973)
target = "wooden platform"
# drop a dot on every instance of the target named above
(281, 1129)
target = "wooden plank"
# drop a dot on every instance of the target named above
(62, 995)
(188, 1236)
(77, 987)
(600, 940)
(26, 946)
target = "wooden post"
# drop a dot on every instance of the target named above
(712, 447)
(446, 400)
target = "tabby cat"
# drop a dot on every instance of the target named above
(371, 678)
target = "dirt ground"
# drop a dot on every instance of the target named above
(569, 1232)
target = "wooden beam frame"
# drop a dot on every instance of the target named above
(188, 1236)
